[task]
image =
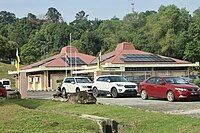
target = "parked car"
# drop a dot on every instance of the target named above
(171, 88)
(135, 79)
(187, 79)
(75, 84)
(6, 83)
(190, 78)
(115, 85)
(3, 91)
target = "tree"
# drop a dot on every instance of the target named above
(81, 16)
(7, 17)
(90, 43)
(29, 54)
(7, 48)
(23, 28)
(53, 15)
(193, 46)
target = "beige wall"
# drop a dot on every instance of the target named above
(56, 80)
(36, 82)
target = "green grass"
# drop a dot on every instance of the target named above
(22, 116)
(51, 116)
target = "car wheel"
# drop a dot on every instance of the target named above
(95, 92)
(63, 92)
(77, 90)
(144, 95)
(170, 96)
(114, 93)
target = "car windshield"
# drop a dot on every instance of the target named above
(83, 80)
(175, 80)
(117, 79)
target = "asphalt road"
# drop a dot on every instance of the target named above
(184, 107)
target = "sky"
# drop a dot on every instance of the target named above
(101, 9)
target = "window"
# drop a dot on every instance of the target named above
(69, 80)
(1, 85)
(117, 79)
(103, 79)
(151, 81)
(158, 80)
(83, 80)
(6, 83)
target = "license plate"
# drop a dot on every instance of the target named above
(194, 93)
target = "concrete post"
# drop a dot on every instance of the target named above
(23, 85)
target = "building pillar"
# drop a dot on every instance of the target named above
(23, 85)
(97, 73)
(45, 81)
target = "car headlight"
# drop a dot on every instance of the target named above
(120, 85)
(180, 89)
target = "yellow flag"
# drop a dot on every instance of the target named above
(17, 60)
(99, 62)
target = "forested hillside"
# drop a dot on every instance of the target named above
(170, 31)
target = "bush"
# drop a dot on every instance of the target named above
(197, 82)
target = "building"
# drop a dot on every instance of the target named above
(125, 60)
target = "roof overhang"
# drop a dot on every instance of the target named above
(105, 67)
(153, 65)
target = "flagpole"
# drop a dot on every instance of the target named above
(66, 61)
(70, 38)
(75, 63)
(99, 62)
(17, 60)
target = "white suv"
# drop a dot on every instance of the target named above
(75, 84)
(115, 85)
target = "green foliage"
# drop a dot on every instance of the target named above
(193, 46)
(7, 17)
(170, 32)
(197, 82)
(53, 15)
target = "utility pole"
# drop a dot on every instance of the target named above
(132, 4)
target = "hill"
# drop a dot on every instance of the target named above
(4, 68)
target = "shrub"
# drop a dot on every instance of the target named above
(197, 82)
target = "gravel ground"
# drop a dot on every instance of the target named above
(183, 107)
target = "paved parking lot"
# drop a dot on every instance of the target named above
(185, 107)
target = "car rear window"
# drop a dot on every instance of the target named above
(6, 83)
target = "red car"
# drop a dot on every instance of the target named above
(3, 92)
(171, 88)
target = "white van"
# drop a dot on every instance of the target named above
(6, 83)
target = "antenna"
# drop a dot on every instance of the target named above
(132, 4)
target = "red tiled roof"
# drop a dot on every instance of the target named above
(114, 57)
(57, 60)
(128, 48)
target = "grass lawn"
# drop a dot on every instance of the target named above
(52, 116)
